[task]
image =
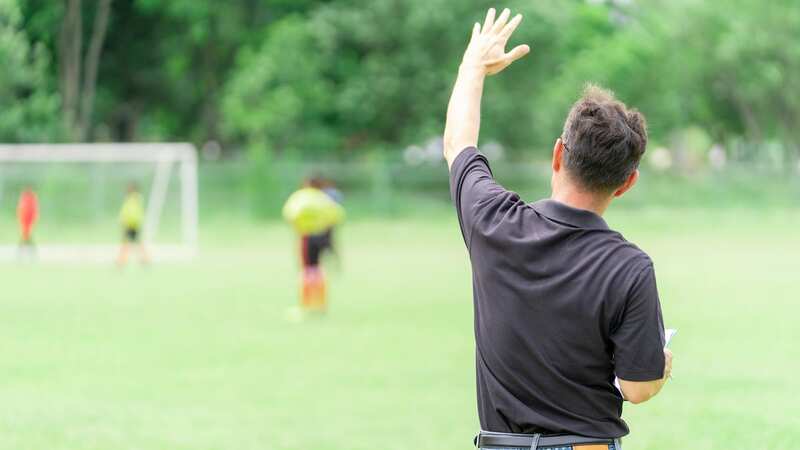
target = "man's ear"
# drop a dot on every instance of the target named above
(632, 179)
(558, 153)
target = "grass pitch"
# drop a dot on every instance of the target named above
(199, 356)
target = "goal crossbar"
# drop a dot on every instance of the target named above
(134, 152)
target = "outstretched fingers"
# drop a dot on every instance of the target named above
(488, 41)
(506, 32)
(501, 21)
(489, 21)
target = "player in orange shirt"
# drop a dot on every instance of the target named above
(27, 214)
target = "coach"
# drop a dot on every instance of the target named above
(563, 304)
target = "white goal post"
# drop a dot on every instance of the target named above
(163, 156)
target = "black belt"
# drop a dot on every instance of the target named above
(534, 441)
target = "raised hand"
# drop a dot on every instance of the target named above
(486, 49)
(485, 55)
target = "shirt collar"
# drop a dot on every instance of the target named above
(563, 213)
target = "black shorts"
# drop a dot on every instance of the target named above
(313, 246)
(131, 234)
(327, 240)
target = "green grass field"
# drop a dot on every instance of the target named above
(199, 356)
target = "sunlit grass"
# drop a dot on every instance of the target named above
(200, 357)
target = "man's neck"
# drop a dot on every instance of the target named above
(581, 200)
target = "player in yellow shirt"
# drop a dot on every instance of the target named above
(312, 213)
(131, 217)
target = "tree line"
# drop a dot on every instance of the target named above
(347, 77)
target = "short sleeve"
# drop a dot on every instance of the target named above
(639, 337)
(479, 200)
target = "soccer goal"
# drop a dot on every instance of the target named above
(80, 189)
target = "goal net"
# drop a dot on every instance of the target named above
(80, 189)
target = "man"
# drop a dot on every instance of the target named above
(131, 216)
(312, 213)
(563, 304)
(27, 214)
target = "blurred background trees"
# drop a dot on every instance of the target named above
(339, 79)
(29, 100)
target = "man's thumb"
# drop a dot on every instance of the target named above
(518, 52)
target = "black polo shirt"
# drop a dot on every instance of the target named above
(562, 304)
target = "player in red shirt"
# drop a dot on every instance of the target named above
(27, 214)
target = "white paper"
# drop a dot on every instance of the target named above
(668, 333)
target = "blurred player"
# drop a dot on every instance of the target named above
(131, 217)
(312, 213)
(27, 214)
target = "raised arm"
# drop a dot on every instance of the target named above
(485, 55)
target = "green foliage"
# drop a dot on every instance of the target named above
(277, 98)
(688, 63)
(28, 106)
(384, 70)
(341, 78)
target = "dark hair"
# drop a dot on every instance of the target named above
(315, 180)
(603, 140)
